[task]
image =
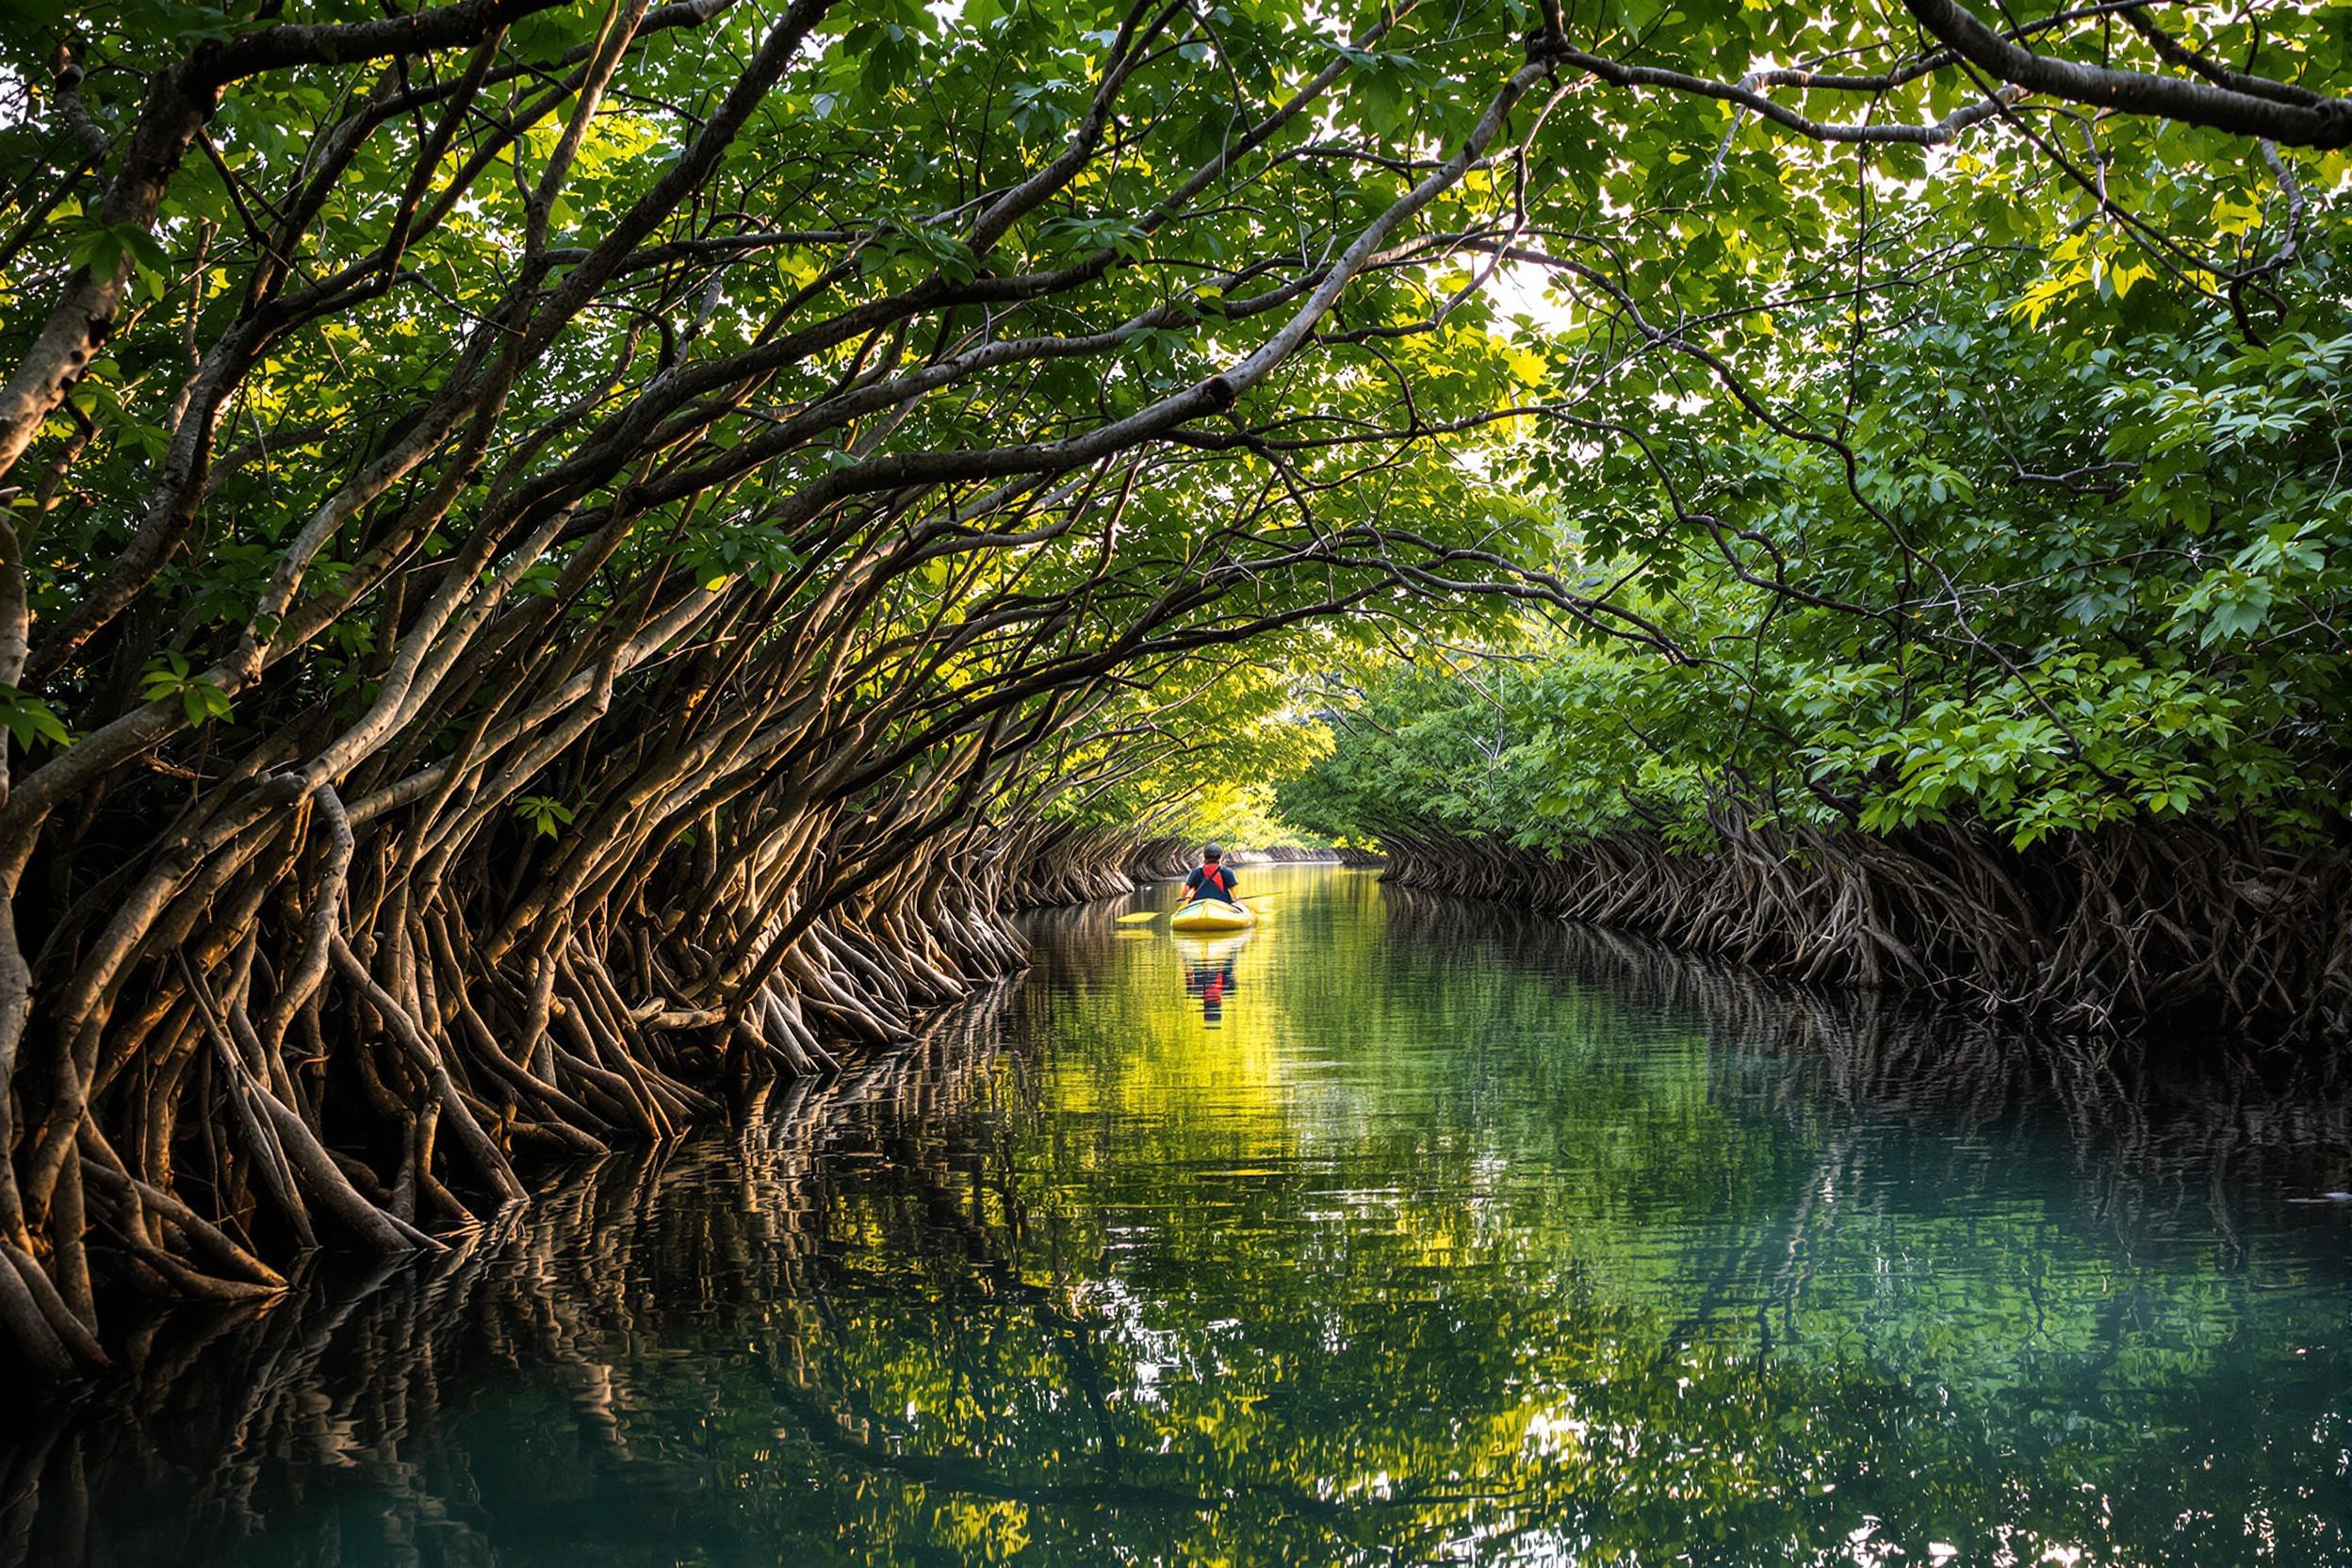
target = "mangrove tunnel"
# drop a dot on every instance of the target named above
(575, 574)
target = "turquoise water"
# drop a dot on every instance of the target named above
(1393, 1233)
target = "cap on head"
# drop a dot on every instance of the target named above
(1213, 852)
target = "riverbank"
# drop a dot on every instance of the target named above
(2101, 936)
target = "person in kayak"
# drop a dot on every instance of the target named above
(1211, 878)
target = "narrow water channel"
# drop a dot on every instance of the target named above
(1391, 1233)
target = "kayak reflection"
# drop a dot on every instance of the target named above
(1209, 972)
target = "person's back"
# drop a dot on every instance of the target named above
(1211, 878)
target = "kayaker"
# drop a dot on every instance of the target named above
(1212, 879)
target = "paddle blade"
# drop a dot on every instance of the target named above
(1141, 915)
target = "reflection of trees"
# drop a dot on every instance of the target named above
(2155, 1140)
(908, 1316)
(2182, 1115)
(865, 1231)
(2079, 1318)
(232, 1419)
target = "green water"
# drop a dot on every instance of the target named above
(1453, 1239)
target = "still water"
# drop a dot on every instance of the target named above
(1393, 1233)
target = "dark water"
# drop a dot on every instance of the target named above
(1456, 1240)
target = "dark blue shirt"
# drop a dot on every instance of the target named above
(1206, 881)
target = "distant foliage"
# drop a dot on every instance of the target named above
(2063, 563)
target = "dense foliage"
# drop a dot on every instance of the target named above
(2082, 578)
(2043, 701)
(2028, 584)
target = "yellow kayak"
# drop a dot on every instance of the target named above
(1211, 914)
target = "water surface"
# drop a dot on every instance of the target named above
(1393, 1233)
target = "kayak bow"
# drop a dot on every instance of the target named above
(1211, 914)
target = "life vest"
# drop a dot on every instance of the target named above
(1219, 878)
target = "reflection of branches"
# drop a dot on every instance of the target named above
(979, 1478)
(354, 1373)
(2094, 932)
(2214, 1119)
(577, 1294)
